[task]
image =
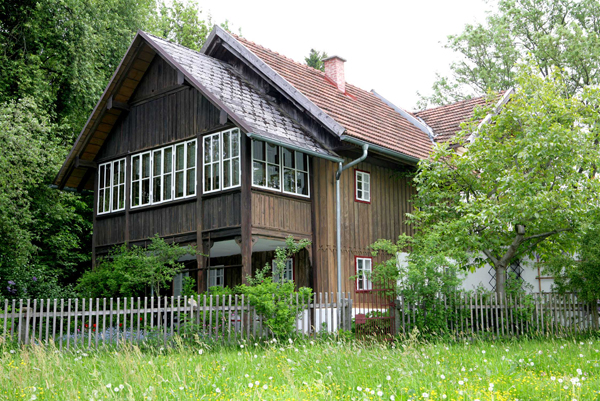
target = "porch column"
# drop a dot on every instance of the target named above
(246, 210)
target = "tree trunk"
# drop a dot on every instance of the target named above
(500, 279)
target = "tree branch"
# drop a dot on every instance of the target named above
(490, 257)
(547, 234)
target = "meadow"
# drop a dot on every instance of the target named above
(542, 369)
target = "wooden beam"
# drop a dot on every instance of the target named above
(85, 179)
(113, 104)
(246, 202)
(85, 163)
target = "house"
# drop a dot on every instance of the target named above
(237, 147)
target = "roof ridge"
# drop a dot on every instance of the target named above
(458, 102)
(175, 43)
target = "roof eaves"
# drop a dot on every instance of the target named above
(276, 79)
(417, 122)
(381, 149)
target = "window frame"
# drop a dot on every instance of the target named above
(293, 262)
(221, 161)
(358, 172)
(281, 170)
(173, 173)
(361, 277)
(111, 186)
(220, 272)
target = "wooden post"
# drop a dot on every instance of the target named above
(246, 202)
(128, 177)
(200, 260)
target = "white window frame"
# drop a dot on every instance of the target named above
(214, 275)
(361, 280)
(281, 167)
(360, 176)
(231, 158)
(288, 271)
(296, 171)
(173, 173)
(110, 186)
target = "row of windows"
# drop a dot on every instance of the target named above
(169, 173)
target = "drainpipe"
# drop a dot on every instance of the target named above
(338, 174)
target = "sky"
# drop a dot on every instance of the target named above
(393, 47)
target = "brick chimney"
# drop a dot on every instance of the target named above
(334, 70)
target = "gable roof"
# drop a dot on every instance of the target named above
(445, 120)
(364, 115)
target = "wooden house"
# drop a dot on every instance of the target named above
(237, 147)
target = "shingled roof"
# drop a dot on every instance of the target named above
(261, 116)
(445, 120)
(363, 114)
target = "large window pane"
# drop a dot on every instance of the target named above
(272, 153)
(301, 161)
(207, 158)
(216, 174)
(235, 172)
(146, 165)
(288, 158)
(259, 174)
(302, 183)
(273, 176)
(191, 182)
(207, 178)
(289, 180)
(179, 184)
(226, 173)
(145, 191)
(226, 145)
(168, 182)
(179, 156)
(191, 154)
(135, 194)
(235, 144)
(121, 196)
(258, 150)
(135, 160)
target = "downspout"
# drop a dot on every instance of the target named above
(338, 174)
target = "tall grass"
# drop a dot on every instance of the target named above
(551, 369)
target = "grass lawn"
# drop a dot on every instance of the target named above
(524, 370)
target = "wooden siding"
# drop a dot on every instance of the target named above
(362, 223)
(163, 118)
(110, 230)
(164, 220)
(222, 211)
(280, 213)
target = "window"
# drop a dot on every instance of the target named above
(111, 186)
(271, 162)
(364, 267)
(222, 160)
(288, 271)
(363, 186)
(163, 174)
(216, 278)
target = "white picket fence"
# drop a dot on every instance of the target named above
(97, 322)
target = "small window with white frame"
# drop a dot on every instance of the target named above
(288, 271)
(364, 268)
(111, 186)
(362, 186)
(216, 278)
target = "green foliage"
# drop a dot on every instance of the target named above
(188, 287)
(315, 59)
(582, 273)
(524, 185)
(271, 299)
(181, 23)
(128, 271)
(561, 34)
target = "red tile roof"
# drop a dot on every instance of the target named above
(445, 120)
(363, 115)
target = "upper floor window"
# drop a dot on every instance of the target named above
(216, 278)
(288, 271)
(111, 186)
(272, 164)
(222, 160)
(163, 174)
(364, 267)
(362, 181)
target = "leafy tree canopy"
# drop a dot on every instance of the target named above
(525, 184)
(315, 59)
(561, 34)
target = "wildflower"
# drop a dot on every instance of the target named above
(442, 377)
(425, 395)
(265, 387)
(552, 378)
(444, 396)
(388, 378)
(270, 377)
(483, 351)
(460, 382)
(380, 393)
(290, 341)
(217, 390)
(250, 385)
(392, 398)
(116, 389)
(359, 388)
(200, 351)
(242, 346)
(180, 388)
(108, 385)
(579, 372)
(12, 351)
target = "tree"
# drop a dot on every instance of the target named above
(127, 271)
(582, 273)
(315, 59)
(525, 184)
(561, 34)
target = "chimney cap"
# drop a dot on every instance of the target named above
(333, 57)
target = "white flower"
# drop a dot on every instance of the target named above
(442, 377)
(560, 380)
(265, 387)
(444, 396)
(460, 382)
(552, 378)
(388, 378)
(256, 383)
(180, 388)
(200, 351)
(242, 346)
(12, 351)
(380, 393)
(483, 352)
(33, 397)
(290, 341)
(250, 385)
(116, 389)
(581, 355)
(392, 398)
(579, 372)
(217, 390)
(425, 395)
(108, 385)
(359, 388)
